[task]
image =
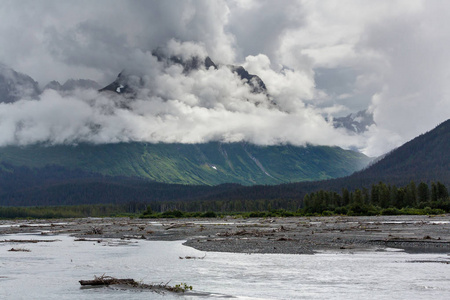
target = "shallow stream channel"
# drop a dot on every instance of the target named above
(51, 267)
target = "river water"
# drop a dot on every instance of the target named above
(51, 270)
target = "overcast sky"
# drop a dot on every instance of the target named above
(318, 59)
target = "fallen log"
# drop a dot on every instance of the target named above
(192, 257)
(107, 281)
(178, 225)
(19, 250)
(158, 288)
(29, 241)
(429, 261)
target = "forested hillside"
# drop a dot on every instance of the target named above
(55, 185)
(210, 163)
(425, 158)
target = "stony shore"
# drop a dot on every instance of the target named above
(294, 235)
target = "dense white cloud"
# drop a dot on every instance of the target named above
(172, 106)
(317, 59)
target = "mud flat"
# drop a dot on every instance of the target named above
(295, 235)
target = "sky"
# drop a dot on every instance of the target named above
(318, 59)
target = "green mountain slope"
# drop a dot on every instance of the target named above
(425, 158)
(210, 163)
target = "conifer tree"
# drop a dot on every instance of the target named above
(423, 192)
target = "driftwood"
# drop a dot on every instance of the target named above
(28, 241)
(430, 261)
(282, 239)
(87, 240)
(107, 281)
(95, 230)
(178, 225)
(19, 250)
(253, 233)
(236, 233)
(135, 237)
(192, 257)
(158, 288)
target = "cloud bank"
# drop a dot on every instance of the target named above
(171, 105)
(318, 59)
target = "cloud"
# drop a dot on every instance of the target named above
(318, 59)
(97, 39)
(415, 94)
(174, 106)
(259, 26)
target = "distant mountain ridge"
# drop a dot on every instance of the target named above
(425, 158)
(72, 84)
(210, 163)
(15, 86)
(356, 122)
(126, 83)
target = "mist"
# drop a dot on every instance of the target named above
(318, 60)
(172, 105)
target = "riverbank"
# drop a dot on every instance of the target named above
(293, 235)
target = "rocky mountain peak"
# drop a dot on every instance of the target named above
(15, 86)
(122, 85)
(72, 84)
(355, 122)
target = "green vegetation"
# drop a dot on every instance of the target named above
(75, 211)
(73, 178)
(208, 164)
(425, 158)
(381, 199)
(177, 214)
(182, 287)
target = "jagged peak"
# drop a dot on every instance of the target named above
(15, 85)
(122, 84)
(355, 122)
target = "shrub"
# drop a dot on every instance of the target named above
(391, 211)
(172, 214)
(433, 211)
(341, 210)
(208, 214)
(257, 214)
(327, 213)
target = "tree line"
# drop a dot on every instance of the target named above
(380, 198)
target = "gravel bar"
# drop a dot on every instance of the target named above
(293, 235)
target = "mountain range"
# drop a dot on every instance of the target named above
(355, 122)
(208, 163)
(424, 158)
(72, 84)
(15, 86)
(85, 173)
